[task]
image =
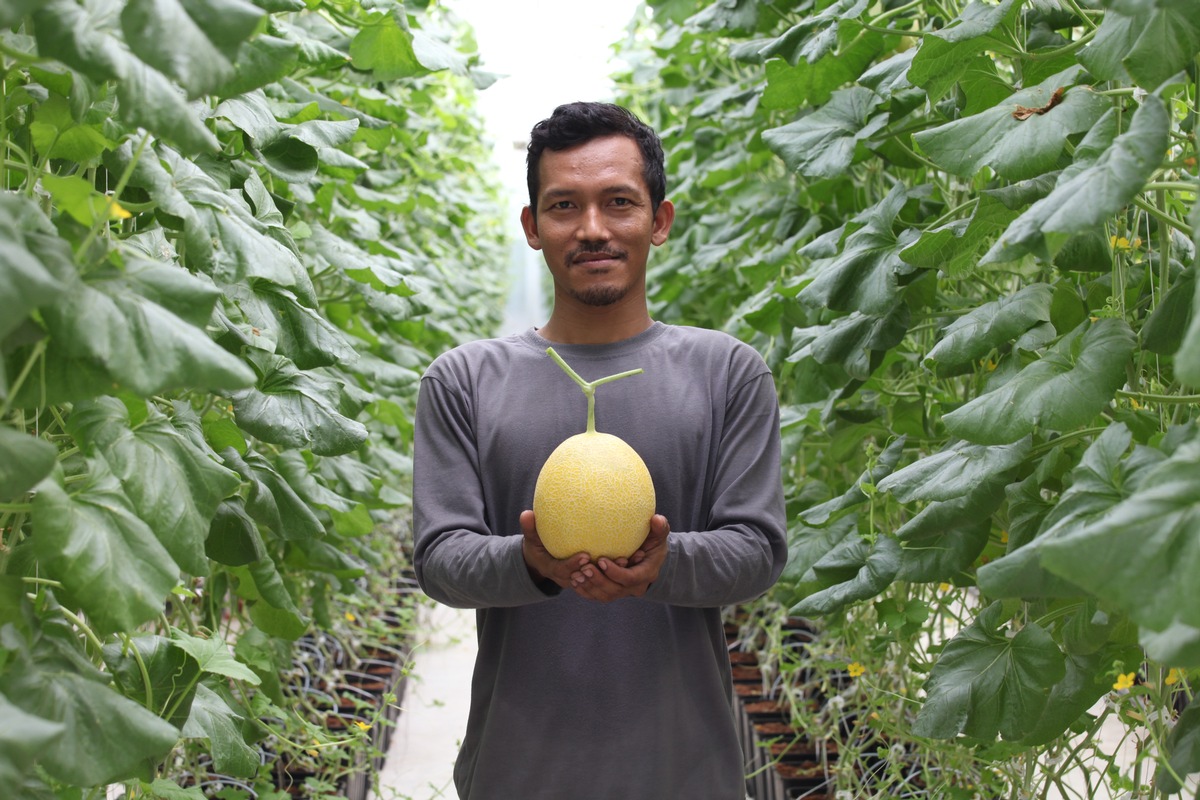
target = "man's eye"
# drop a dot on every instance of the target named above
(621, 201)
(561, 204)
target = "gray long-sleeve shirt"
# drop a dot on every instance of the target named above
(572, 698)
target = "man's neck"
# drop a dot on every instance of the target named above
(595, 325)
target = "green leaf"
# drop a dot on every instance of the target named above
(989, 327)
(57, 134)
(296, 409)
(1148, 40)
(1187, 358)
(173, 486)
(1176, 644)
(955, 472)
(1017, 145)
(233, 538)
(987, 683)
(822, 513)
(173, 36)
(944, 55)
(23, 738)
(854, 342)
(272, 501)
(1067, 387)
(214, 656)
(867, 272)
(384, 47)
(172, 673)
(109, 562)
(122, 329)
(953, 247)
(1103, 179)
(107, 737)
(1143, 554)
(823, 143)
(214, 720)
(36, 265)
(804, 83)
(942, 540)
(1085, 681)
(299, 332)
(1183, 750)
(263, 60)
(854, 570)
(1102, 479)
(24, 461)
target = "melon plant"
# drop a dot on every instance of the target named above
(594, 493)
(232, 235)
(965, 236)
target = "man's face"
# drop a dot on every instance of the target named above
(594, 221)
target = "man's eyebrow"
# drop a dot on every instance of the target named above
(619, 188)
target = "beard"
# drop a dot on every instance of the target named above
(602, 295)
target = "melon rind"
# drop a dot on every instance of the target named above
(594, 495)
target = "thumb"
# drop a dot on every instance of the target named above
(659, 527)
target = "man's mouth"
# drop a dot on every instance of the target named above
(588, 259)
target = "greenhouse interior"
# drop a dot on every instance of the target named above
(961, 235)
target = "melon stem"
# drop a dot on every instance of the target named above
(589, 387)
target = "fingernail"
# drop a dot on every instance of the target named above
(604, 565)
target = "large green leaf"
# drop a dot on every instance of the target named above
(990, 326)
(854, 342)
(822, 513)
(106, 737)
(108, 560)
(273, 502)
(297, 331)
(1143, 555)
(955, 472)
(24, 461)
(1068, 386)
(943, 540)
(384, 46)
(1183, 750)
(1148, 40)
(944, 55)
(35, 263)
(1086, 680)
(1103, 478)
(1106, 175)
(854, 570)
(151, 671)
(213, 656)
(953, 247)
(212, 719)
(987, 682)
(192, 41)
(173, 486)
(233, 538)
(23, 737)
(1017, 145)
(296, 409)
(1187, 358)
(823, 144)
(123, 329)
(83, 37)
(867, 272)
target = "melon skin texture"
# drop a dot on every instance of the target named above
(594, 495)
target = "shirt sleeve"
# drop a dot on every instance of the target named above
(744, 550)
(458, 559)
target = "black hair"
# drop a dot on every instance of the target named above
(573, 124)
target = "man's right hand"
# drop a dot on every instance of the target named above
(543, 566)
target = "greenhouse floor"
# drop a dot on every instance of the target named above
(420, 758)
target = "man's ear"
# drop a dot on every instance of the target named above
(663, 217)
(529, 225)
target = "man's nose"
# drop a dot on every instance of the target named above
(592, 226)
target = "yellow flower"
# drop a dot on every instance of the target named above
(1119, 243)
(856, 669)
(945, 587)
(1124, 681)
(350, 617)
(362, 726)
(116, 210)
(1003, 537)
(1172, 677)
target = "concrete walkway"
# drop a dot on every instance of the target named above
(420, 758)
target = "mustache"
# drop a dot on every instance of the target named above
(598, 248)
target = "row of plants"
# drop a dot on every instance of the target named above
(232, 234)
(965, 237)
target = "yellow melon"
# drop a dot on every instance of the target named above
(594, 494)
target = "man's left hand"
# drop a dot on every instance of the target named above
(611, 579)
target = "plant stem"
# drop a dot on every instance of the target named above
(589, 387)
(38, 350)
(87, 632)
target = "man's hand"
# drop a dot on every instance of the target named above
(539, 562)
(611, 579)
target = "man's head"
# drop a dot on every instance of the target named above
(576, 123)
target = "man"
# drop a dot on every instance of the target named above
(606, 679)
